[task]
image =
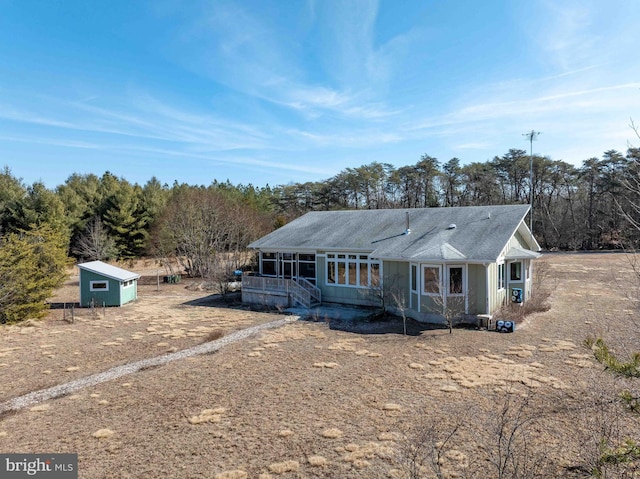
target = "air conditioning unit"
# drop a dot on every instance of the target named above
(505, 326)
(516, 295)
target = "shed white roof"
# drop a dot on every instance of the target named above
(109, 271)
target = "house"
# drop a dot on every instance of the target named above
(468, 259)
(104, 284)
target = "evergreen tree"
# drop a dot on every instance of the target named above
(82, 201)
(125, 221)
(38, 206)
(11, 190)
(32, 265)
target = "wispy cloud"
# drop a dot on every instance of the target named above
(52, 142)
(352, 139)
(260, 61)
(566, 35)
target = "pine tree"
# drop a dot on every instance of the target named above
(32, 265)
(124, 219)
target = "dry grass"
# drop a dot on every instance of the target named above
(315, 403)
(332, 433)
(213, 335)
(235, 474)
(282, 467)
(207, 415)
(317, 461)
(103, 433)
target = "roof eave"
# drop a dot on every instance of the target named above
(433, 260)
(110, 276)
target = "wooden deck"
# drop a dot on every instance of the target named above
(285, 291)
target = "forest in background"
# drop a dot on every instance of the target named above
(206, 228)
(107, 217)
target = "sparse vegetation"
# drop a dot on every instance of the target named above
(543, 285)
(551, 400)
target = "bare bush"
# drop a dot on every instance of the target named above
(603, 431)
(427, 446)
(543, 283)
(475, 443)
(213, 335)
(507, 440)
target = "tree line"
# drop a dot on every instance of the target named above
(88, 217)
(206, 229)
(574, 208)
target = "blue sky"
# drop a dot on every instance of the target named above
(291, 91)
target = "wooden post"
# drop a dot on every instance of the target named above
(158, 279)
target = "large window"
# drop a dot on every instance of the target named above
(374, 275)
(455, 280)
(307, 267)
(356, 270)
(342, 269)
(289, 265)
(269, 264)
(431, 280)
(516, 271)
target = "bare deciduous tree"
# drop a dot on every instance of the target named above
(95, 243)
(207, 233)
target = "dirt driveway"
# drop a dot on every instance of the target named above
(301, 401)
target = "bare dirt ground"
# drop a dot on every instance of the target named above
(304, 400)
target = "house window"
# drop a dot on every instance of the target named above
(99, 286)
(374, 274)
(353, 270)
(501, 271)
(331, 269)
(431, 280)
(414, 278)
(269, 264)
(128, 284)
(363, 271)
(342, 269)
(352, 277)
(455, 280)
(516, 271)
(307, 267)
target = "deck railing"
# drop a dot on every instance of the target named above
(301, 291)
(316, 294)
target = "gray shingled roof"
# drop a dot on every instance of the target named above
(109, 271)
(519, 253)
(480, 234)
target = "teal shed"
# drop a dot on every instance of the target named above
(104, 284)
